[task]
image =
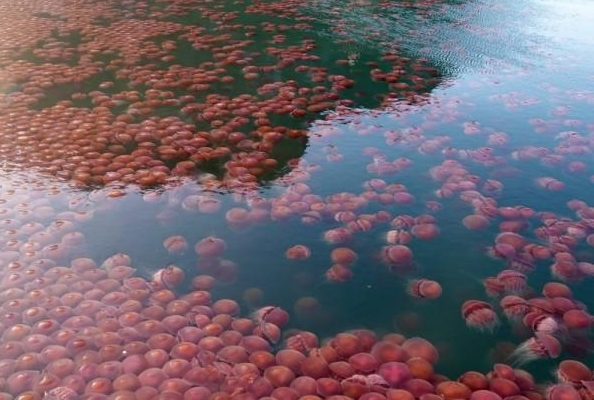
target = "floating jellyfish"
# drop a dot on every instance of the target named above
(566, 270)
(338, 273)
(238, 217)
(479, 315)
(556, 289)
(397, 255)
(310, 218)
(210, 247)
(169, 277)
(550, 184)
(175, 245)
(203, 282)
(117, 259)
(209, 205)
(493, 287)
(543, 323)
(298, 253)
(573, 372)
(419, 347)
(514, 307)
(338, 236)
(360, 225)
(577, 319)
(433, 206)
(541, 346)
(425, 231)
(471, 128)
(562, 392)
(302, 341)
(476, 222)
(403, 222)
(343, 255)
(501, 251)
(424, 289)
(522, 263)
(271, 314)
(586, 268)
(398, 236)
(514, 282)
(516, 241)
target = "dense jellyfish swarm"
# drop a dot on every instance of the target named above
(73, 328)
(153, 117)
(98, 331)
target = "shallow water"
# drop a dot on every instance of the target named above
(501, 90)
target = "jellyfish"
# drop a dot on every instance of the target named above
(540, 346)
(514, 282)
(424, 289)
(479, 315)
(514, 307)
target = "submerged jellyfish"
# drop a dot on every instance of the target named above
(562, 392)
(169, 277)
(514, 282)
(573, 372)
(210, 247)
(541, 346)
(479, 315)
(298, 253)
(514, 307)
(543, 323)
(424, 289)
(175, 245)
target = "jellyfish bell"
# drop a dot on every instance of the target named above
(175, 245)
(512, 239)
(576, 319)
(480, 315)
(398, 236)
(298, 253)
(514, 282)
(493, 287)
(115, 260)
(514, 307)
(562, 392)
(573, 372)
(210, 247)
(338, 273)
(540, 346)
(169, 277)
(271, 314)
(343, 255)
(397, 255)
(476, 222)
(550, 184)
(586, 268)
(338, 236)
(425, 231)
(424, 289)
